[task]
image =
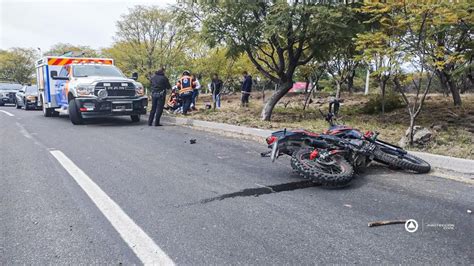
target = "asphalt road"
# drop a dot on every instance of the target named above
(209, 202)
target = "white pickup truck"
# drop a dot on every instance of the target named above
(88, 87)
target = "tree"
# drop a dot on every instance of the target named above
(446, 37)
(341, 62)
(127, 60)
(17, 64)
(277, 36)
(379, 46)
(447, 40)
(312, 73)
(342, 68)
(154, 36)
(415, 105)
(60, 49)
(215, 60)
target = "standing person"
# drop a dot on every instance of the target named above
(246, 89)
(159, 85)
(185, 85)
(216, 87)
(196, 91)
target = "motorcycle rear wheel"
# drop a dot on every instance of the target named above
(335, 171)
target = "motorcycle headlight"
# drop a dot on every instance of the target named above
(85, 90)
(139, 91)
(270, 140)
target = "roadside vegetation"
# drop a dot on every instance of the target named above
(413, 59)
(453, 128)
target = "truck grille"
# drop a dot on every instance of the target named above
(116, 89)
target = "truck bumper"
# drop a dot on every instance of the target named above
(89, 108)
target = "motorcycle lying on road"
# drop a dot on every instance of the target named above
(330, 158)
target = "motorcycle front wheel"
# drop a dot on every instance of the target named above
(333, 171)
(401, 160)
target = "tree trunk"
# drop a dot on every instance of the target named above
(350, 81)
(308, 97)
(449, 85)
(267, 110)
(443, 84)
(306, 86)
(338, 89)
(306, 94)
(411, 128)
(454, 91)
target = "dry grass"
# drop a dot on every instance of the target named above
(456, 137)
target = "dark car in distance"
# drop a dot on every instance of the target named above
(8, 92)
(27, 97)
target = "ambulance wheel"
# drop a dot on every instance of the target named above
(47, 112)
(135, 118)
(74, 114)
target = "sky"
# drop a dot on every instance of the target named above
(43, 23)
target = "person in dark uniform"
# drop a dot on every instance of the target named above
(216, 87)
(246, 89)
(159, 85)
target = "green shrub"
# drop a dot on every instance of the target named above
(374, 105)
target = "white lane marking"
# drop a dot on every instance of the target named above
(143, 246)
(7, 113)
(23, 131)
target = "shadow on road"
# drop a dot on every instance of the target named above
(113, 121)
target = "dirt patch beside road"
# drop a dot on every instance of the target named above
(453, 127)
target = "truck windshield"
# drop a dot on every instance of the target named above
(32, 90)
(96, 70)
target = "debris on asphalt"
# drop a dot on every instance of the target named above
(192, 141)
(348, 205)
(469, 211)
(379, 223)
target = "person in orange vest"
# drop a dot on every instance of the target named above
(185, 85)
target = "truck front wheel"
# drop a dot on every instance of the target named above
(74, 114)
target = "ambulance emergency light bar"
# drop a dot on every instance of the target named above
(61, 61)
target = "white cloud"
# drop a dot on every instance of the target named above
(29, 23)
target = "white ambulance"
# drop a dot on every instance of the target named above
(86, 88)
